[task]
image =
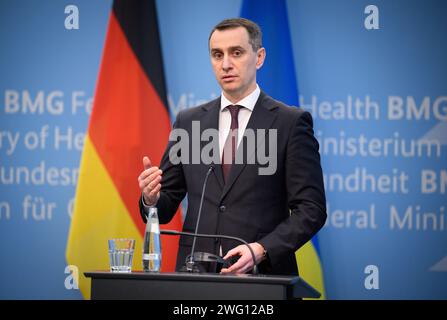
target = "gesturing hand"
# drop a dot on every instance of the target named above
(149, 182)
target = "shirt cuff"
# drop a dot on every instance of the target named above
(145, 206)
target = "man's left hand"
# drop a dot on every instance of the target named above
(245, 263)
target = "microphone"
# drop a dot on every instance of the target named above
(190, 264)
(212, 257)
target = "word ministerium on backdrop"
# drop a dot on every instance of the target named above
(363, 147)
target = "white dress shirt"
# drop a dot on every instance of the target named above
(248, 104)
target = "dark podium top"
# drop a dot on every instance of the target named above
(191, 286)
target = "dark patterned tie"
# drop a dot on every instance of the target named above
(230, 146)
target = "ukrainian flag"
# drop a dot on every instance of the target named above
(277, 78)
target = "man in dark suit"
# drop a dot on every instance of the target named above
(276, 210)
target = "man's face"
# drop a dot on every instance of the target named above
(234, 62)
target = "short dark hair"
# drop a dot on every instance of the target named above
(254, 31)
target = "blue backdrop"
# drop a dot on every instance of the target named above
(378, 97)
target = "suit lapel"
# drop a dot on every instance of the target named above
(262, 117)
(210, 119)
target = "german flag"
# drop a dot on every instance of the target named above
(130, 119)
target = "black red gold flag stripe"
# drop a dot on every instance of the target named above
(130, 119)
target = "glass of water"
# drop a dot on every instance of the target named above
(121, 254)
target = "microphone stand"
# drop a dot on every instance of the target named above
(190, 265)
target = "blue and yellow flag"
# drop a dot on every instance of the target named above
(277, 78)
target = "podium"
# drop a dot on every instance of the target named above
(197, 286)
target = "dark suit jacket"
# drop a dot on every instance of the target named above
(281, 211)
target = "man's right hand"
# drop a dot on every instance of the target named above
(149, 182)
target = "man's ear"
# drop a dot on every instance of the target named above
(261, 57)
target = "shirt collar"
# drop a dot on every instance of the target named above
(247, 102)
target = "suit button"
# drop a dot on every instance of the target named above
(222, 208)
